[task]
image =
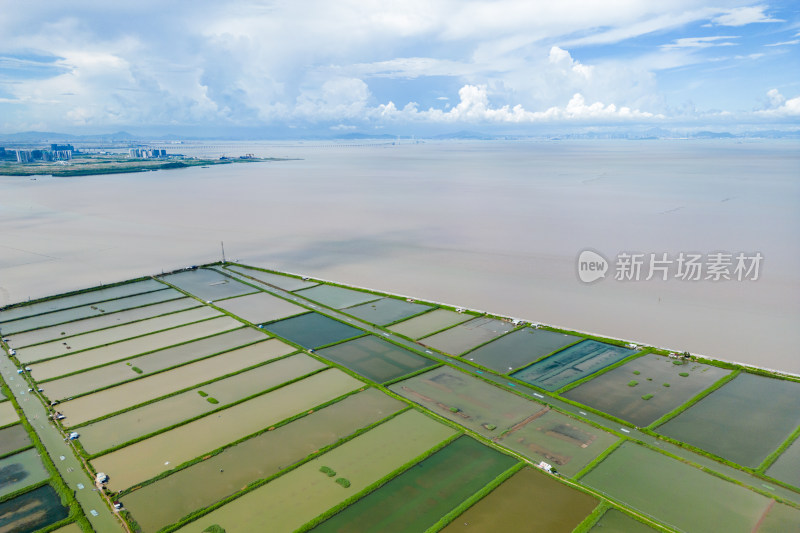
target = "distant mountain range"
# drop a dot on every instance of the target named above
(44, 137)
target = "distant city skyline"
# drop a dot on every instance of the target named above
(316, 68)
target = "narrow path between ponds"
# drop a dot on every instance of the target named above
(100, 516)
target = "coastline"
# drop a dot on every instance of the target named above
(97, 169)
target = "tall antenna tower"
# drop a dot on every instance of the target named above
(222, 244)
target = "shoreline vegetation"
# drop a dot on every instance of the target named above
(91, 164)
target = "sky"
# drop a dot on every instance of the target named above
(308, 67)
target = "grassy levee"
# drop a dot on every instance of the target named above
(588, 523)
(139, 376)
(180, 391)
(14, 452)
(258, 483)
(726, 462)
(378, 484)
(771, 458)
(525, 395)
(216, 451)
(413, 374)
(335, 343)
(699, 396)
(397, 297)
(104, 315)
(197, 417)
(107, 327)
(542, 358)
(248, 267)
(135, 355)
(475, 498)
(473, 314)
(711, 471)
(66, 495)
(426, 311)
(598, 338)
(481, 345)
(23, 490)
(602, 371)
(597, 460)
(202, 512)
(115, 342)
(74, 293)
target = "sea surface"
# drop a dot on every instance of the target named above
(489, 225)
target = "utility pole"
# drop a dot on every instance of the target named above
(223, 251)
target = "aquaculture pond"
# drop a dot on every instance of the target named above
(8, 415)
(31, 511)
(69, 528)
(192, 403)
(147, 458)
(565, 443)
(666, 385)
(302, 494)
(676, 493)
(89, 310)
(202, 484)
(549, 506)
(468, 335)
(336, 297)
(417, 498)
(143, 390)
(208, 284)
(466, 400)
(615, 521)
(779, 518)
(386, 310)
(376, 359)
(743, 421)
(430, 322)
(75, 300)
(114, 373)
(102, 337)
(21, 470)
(13, 438)
(572, 364)
(85, 325)
(122, 350)
(287, 283)
(313, 330)
(260, 307)
(787, 467)
(519, 348)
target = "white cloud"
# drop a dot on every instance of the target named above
(474, 107)
(742, 16)
(785, 43)
(255, 63)
(700, 42)
(337, 98)
(780, 106)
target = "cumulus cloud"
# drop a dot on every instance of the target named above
(779, 106)
(245, 63)
(474, 106)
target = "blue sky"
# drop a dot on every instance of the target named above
(398, 66)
